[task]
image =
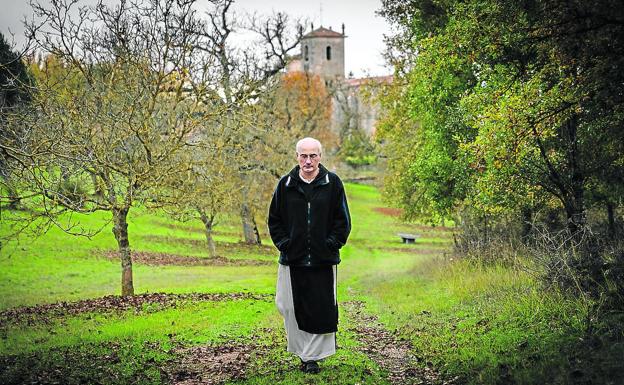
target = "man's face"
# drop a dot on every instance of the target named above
(309, 157)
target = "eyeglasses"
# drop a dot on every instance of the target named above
(306, 156)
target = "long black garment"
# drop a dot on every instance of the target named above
(316, 309)
(315, 305)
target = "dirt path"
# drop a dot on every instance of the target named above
(231, 361)
(392, 354)
(208, 365)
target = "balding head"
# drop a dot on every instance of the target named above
(309, 144)
(309, 156)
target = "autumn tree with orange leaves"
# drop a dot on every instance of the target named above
(304, 107)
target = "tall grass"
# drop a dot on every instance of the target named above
(492, 324)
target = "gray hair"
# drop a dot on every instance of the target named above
(308, 139)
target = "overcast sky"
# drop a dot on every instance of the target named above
(364, 29)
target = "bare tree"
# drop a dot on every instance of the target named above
(209, 187)
(126, 92)
(244, 75)
(15, 89)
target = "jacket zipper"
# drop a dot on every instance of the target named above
(309, 236)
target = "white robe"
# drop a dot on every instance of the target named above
(308, 346)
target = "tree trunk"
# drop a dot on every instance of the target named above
(611, 217)
(120, 230)
(576, 216)
(13, 197)
(575, 209)
(256, 231)
(250, 230)
(249, 225)
(97, 189)
(210, 243)
(486, 235)
(527, 224)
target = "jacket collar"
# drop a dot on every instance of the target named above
(321, 179)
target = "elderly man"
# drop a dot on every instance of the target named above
(309, 222)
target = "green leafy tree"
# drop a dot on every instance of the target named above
(549, 118)
(514, 102)
(422, 122)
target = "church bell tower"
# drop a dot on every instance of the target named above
(322, 53)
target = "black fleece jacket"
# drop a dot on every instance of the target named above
(309, 224)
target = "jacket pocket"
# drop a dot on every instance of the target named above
(331, 244)
(283, 245)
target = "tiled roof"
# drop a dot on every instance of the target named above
(375, 79)
(322, 32)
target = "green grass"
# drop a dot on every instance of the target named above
(487, 324)
(193, 323)
(57, 266)
(144, 340)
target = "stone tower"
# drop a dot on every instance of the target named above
(322, 53)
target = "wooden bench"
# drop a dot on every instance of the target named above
(409, 238)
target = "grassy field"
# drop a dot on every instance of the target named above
(408, 313)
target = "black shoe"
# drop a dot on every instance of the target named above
(311, 367)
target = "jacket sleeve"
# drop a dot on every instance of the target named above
(341, 226)
(277, 227)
